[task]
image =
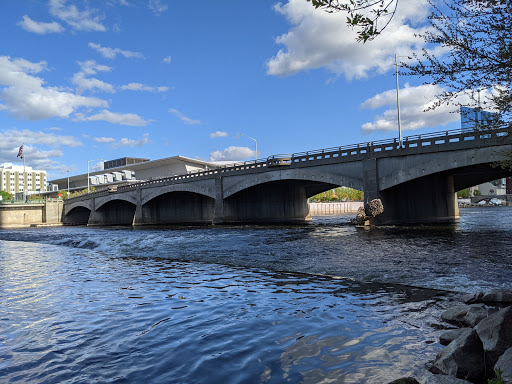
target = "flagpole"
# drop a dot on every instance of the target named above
(24, 176)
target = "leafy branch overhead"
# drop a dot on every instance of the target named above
(369, 17)
(477, 41)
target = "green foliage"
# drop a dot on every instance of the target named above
(498, 379)
(5, 195)
(464, 194)
(369, 17)
(476, 36)
(476, 192)
(64, 193)
(338, 194)
(35, 197)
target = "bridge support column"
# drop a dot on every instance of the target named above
(427, 200)
(218, 211)
(138, 216)
(96, 217)
(370, 180)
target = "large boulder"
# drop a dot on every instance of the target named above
(476, 313)
(473, 298)
(465, 315)
(361, 216)
(463, 358)
(455, 315)
(450, 335)
(497, 297)
(504, 364)
(495, 331)
(374, 208)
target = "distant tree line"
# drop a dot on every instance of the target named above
(466, 194)
(338, 194)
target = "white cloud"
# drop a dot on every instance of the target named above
(319, 39)
(54, 129)
(83, 83)
(142, 87)
(37, 156)
(218, 134)
(90, 67)
(124, 142)
(115, 118)
(184, 118)
(414, 101)
(90, 84)
(167, 60)
(104, 139)
(40, 28)
(232, 154)
(111, 53)
(86, 20)
(25, 95)
(98, 166)
(157, 7)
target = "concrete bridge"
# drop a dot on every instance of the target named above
(416, 183)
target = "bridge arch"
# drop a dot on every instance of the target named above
(101, 201)
(83, 203)
(77, 213)
(398, 170)
(317, 181)
(185, 187)
(176, 206)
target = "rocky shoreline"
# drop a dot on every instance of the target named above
(479, 346)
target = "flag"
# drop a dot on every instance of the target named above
(20, 152)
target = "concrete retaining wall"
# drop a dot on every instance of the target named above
(334, 208)
(25, 215)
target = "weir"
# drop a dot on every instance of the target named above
(416, 183)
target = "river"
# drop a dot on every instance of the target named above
(320, 302)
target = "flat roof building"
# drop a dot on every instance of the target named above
(122, 162)
(14, 179)
(134, 172)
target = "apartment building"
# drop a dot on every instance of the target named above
(14, 180)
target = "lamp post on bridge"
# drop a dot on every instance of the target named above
(256, 142)
(400, 143)
(88, 161)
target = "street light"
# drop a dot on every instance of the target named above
(88, 161)
(68, 181)
(256, 142)
(398, 101)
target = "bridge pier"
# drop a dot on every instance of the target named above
(277, 202)
(426, 200)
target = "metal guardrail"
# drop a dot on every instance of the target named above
(347, 151)
(19, 202)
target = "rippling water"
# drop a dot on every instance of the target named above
(320, 302)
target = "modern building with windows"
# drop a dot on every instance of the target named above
(14, 179)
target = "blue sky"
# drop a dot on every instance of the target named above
(90, 80)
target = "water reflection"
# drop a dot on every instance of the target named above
(313, 303)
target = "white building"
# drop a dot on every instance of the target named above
(496, 187)
(14, 180)
(129, 172)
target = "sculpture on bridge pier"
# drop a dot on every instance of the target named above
(368, 212)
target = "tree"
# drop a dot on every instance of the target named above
(476, 36)
(476, 41)
(370, 17)
(6, 196)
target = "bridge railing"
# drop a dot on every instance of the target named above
(377, 146)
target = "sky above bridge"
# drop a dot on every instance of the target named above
(90, 80)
